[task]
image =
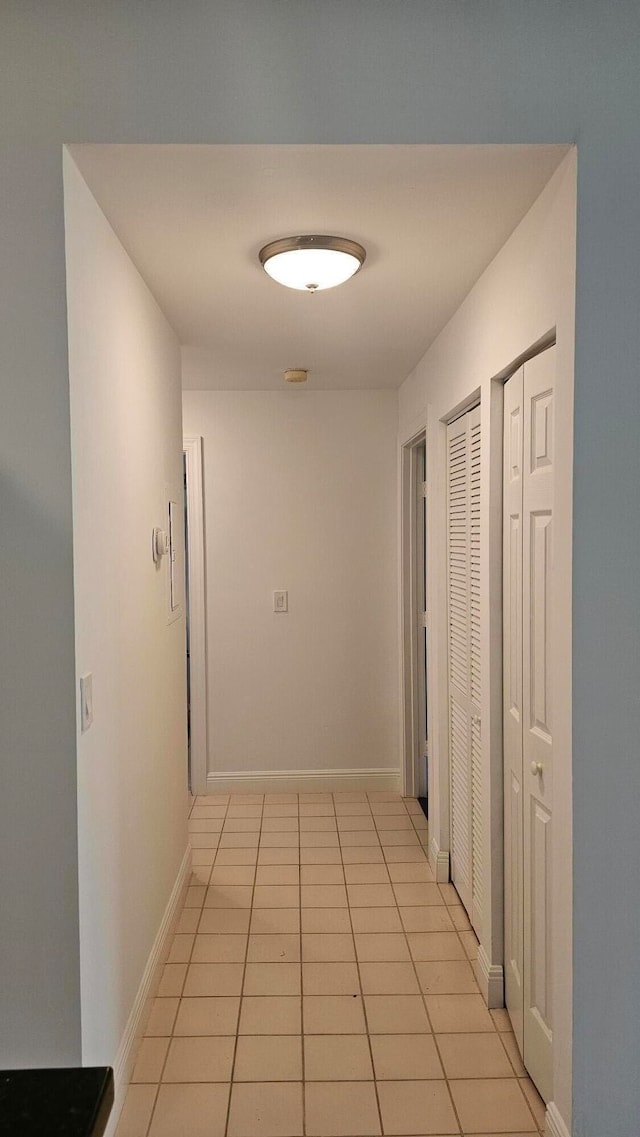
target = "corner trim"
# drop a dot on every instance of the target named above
(125, 1058)
(439, 861)
(294, 781)
(491, 980)
(554, 1124)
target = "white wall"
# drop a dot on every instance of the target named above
(300, 494)
(124, 368)
(526, 292)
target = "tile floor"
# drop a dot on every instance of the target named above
(320, 984)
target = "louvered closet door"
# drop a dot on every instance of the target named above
(463, 594)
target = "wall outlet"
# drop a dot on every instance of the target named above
(281, 601)
(86, 701)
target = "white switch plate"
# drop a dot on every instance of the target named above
(281, 601)
(86, 701)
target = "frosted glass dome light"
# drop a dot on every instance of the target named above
(312, 263)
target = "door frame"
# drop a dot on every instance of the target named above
(414, 693)
(195, 577)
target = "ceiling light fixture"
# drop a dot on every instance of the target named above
(312, 263)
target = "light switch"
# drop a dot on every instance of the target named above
(281, 601)
(86, 701)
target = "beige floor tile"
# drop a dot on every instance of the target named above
(491, 1105)
(459, 1014)
(199, 1059)
(328, 948)
(136, 1111)
(359, 838)
(353, 809)
(473, 1056)
(268, 1058)
(362, 855)
(205, 826)
(536, 1104)
(237, 856)
(330, 979)
(376, 920)
(201, 874)
(396, 822)
(459, 917)
(207, 1015)
(420, 1107)
(280, 824)
(200, 811)
(265, 1109)
(188, 920)
(278, 874)
(378, 946)
(501, 1019)
(244, 809)
(333, 1014)
(396, 1014)
(194, 897)
(316, 809)
(276, 896)
(150, 1060)
(370, 896)
(274, 948)
(446, 977)
(322, 856)
(172, 979)
(224, 921)
(219, 949)
(355, 822)
(388, 979)
(323, 896)
(196, 1110)
(366, 874)
(243, 799)
(242, 824)
(228, 896)
(213, 979)
(395, 854)
(279, 855)
(432, 918)
(270, 1014)
(426, 946)
(280, 799)
(322, 874)
(469, 943)
(398, 837)
(318, 825)
(239, 840)
(350, 795)
(341, 1109)
(405, 1056)
(282, 839)
(201, 857)
(383, 805)
(282, 921)
(204, 840)
(325, 920)
(161, 1017)
(280, 809)
(337, 1057)
(417, 893)
(272, 979)
(181, 946)
(311, 839)
(232, 874)
(385, 796)
(508, 1040)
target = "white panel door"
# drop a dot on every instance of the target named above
(528, 766)
(463, 594)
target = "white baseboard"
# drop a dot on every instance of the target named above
(439, 861)
(136, 1023)
(555, 1126)
(491, 980)
(303, 781)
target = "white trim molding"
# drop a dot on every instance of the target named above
(196, 593)
(439, 861)
(555, 1126)
(301, 781)
(134, 1030)
(491, 980)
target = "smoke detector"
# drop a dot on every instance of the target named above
(296, 375)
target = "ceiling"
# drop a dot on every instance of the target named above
(193, 219)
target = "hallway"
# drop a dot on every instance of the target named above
(319, 973)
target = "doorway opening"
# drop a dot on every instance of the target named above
(415, 619)
(196, 654)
